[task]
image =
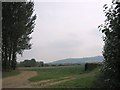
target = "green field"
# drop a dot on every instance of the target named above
(81, 81)
(57, 72)
(75, 75)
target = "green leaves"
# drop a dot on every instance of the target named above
(111, 53)
(18, 23)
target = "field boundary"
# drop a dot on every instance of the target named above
(49, 82)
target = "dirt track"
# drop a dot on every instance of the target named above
(19, 81)
(49, 82)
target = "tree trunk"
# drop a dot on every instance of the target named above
(10, 54)
(13, 63)
(6, 63)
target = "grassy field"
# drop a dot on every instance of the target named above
(74, 76)
(10, 73)
(57, 72)
(81, 81)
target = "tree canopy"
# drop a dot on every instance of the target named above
(18, 23)
(111, 29)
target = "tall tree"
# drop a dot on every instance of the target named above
(111, 69)
(18, 23)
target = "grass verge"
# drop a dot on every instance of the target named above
(10, 73)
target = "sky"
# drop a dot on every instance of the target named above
(66, 29)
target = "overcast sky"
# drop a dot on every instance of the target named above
(66, 29)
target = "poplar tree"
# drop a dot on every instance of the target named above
(110, 75)
(18, 23)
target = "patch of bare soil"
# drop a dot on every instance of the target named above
(19, 81)
(45, 83)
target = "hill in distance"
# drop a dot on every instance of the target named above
(96, 59)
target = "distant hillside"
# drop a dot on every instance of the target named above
(95, 59)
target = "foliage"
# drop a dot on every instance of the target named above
(91, 66)
(111, 28)
(30, 63)
(17, 25)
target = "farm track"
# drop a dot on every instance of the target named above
(50, 82)
(46, 83)
(19, 81)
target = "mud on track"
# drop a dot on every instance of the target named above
(19, 81)
(49, 82)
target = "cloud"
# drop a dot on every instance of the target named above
(65, 29)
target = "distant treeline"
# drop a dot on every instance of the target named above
(31, 63)
(91, 66)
